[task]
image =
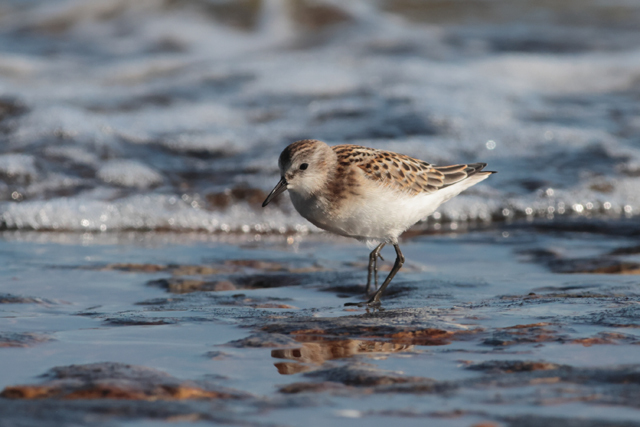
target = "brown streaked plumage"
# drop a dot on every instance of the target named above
(402, 172)
(368, 194)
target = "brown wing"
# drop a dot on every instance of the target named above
(403, 172)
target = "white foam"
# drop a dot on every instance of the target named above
(128, 173)
(74, 154)
(563, 121)
(308, 77)
(143, 212)
(18, 167)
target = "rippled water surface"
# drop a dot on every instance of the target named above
(170, 115)
(504, 326)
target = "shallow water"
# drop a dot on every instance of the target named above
(171, 114)
(477, 297)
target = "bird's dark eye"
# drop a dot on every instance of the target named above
(304, 166)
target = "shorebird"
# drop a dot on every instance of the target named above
(368, 194)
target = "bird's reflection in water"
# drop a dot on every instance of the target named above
(312, 354)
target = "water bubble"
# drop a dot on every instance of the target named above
(85, 222)
(436, 215)
(506, 212)
(551, 209)
(505, 234)
(454, 226)
(290, 240)
(245, 228)
(437, 226)
(589, 206)
(577, 207)
(491, 144)
(528, 211)
(103, 227)
(549, 192)
(16, 196)
(607, 205)
(628, 209)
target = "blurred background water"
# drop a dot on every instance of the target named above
(170, 114)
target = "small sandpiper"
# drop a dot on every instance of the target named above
(368, 194)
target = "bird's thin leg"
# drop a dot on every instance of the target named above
(374, 301)
(376, 270)
(373, 267)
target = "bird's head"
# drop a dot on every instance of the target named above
(304, 166)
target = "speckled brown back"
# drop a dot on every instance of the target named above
(400, 171)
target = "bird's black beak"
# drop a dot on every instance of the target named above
(279, 188)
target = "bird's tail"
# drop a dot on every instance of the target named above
(455, 173)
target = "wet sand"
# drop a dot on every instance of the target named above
(513, 325)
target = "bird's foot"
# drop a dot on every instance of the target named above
(372, 303)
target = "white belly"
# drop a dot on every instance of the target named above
(380, 214)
